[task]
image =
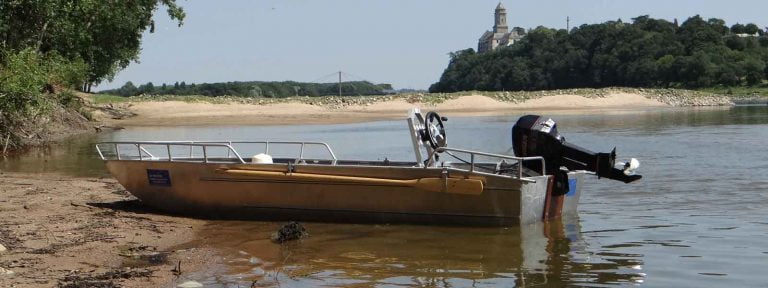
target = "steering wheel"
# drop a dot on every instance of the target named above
(434, 130)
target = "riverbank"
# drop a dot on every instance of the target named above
(89, 232)
(199, 110)
(754, 95)
(50, 123)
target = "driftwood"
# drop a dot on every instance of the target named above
(114, 112)
(7, 139)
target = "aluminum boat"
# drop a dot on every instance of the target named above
(443, 185)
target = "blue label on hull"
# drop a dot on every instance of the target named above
(159, 177)
(571, 187)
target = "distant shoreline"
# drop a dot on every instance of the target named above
(200, 110)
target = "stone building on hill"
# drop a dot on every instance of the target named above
(501, 36)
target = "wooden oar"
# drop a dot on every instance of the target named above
(449, 185)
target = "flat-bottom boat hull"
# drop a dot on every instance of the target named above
(201, 190)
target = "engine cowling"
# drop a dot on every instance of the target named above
(534, 135)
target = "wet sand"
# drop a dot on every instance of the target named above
(173, 113)
(86, 232)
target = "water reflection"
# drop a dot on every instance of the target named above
(75, 156)
(551, 253)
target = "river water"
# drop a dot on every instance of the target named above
(698, 218)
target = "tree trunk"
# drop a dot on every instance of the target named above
(41, 36)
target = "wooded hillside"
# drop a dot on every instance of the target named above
(644, 53)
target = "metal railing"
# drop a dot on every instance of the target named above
(474, 154)
(205, 147)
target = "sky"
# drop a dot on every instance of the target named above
(402, 42)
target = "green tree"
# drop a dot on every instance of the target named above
(718, 25)
(735, 43)
(128, 89)
(106, 35)
(696, 34)
(148, 88)
(738, 29)
(645, 53)
(754, 70)
(751, 29)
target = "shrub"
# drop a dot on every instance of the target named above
(22, 80)
(28, 82)
(26, 76)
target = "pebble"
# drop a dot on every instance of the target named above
(258, 272)
(2, 248)
(4, 271)
(190, 284)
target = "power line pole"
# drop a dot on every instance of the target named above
(339, 83)
(568, 24)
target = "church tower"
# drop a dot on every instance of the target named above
(500, 23)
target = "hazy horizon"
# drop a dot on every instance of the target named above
(403, 43)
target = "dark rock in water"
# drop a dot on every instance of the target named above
(289, 231)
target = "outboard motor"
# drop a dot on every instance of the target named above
(535, 135)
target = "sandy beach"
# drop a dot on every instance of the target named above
(165, 113)
(63, 231)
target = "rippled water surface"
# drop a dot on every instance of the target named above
(699, 218)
